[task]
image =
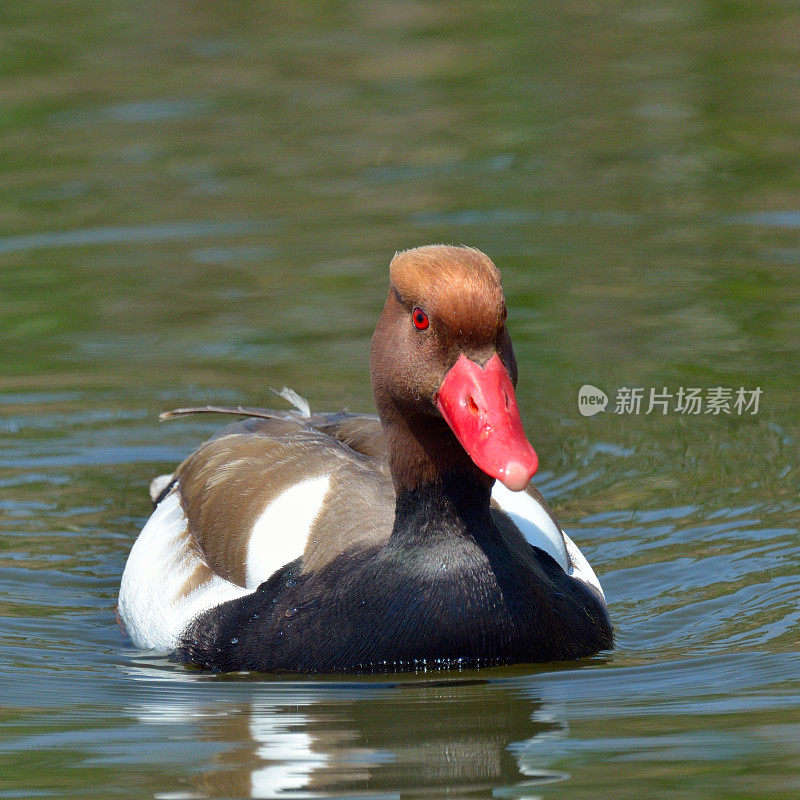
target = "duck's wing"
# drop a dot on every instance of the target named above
(361, 432)
(266, 491)
(254, 494)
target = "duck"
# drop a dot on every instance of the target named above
(404, 540)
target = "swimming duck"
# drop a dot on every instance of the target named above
(306, 542)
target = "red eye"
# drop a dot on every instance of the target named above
(421, 320)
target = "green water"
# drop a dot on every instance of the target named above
(199, 201)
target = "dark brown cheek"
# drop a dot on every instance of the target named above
(408, 370)
(430, 364)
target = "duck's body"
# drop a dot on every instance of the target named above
(346, 542)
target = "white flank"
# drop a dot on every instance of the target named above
(158, 484)
(281, 532)
(581, 568)
(150, 602)
(538, 528)
(533, 521)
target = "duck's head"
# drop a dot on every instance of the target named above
(441, 354)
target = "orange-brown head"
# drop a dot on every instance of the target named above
(441, 354)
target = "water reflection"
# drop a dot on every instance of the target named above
(474, 736)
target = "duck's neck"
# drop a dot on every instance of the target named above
(436, 482)
(423, 450)
(448, 508)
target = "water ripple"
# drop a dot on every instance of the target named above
(131, 234)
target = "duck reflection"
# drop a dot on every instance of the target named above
(426, 738)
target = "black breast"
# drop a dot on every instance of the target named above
(456, 599)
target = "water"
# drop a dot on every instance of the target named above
(199, 202)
